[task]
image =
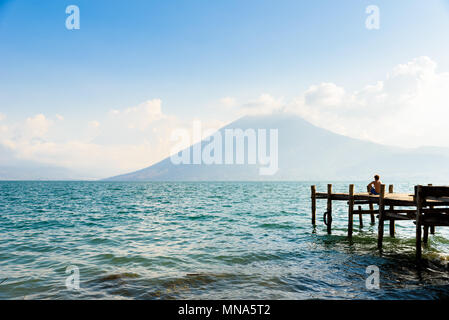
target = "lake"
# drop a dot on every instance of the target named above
(202, 240)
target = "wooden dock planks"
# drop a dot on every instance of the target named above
(393, 199)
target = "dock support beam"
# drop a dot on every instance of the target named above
(351, 210)
(381, 216)
(329, 209)
(313, 189)
(392, 227)
(371, 208)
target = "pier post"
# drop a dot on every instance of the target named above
(381, 216)
(371, 208)
(313, 188)
(418, 221)
(360, 217)
(425, 236)
(432, 228)
(351, 210)
(329, 208)
(392, 227)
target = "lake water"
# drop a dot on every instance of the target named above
(201, 240)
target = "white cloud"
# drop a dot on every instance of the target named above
(264, 104)
(228, 102)
(124, 140)
(37, 126)
(325, 94)
(2, 116)
(94, 124)
(121, 141)
(408, 108)
(142, 116)
(418, 67)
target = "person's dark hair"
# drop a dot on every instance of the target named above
(376, 177)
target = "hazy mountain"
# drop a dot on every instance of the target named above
(307, 152)
(15, 169)
(38, 172)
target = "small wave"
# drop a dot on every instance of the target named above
(248, 258)
(120, 260)
(119, 276)
(276, 226)
(201, 217)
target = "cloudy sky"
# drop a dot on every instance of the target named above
(105, 99)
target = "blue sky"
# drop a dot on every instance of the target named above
(191, 54)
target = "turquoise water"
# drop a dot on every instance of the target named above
(200, 241)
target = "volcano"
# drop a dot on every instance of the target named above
(306, 153)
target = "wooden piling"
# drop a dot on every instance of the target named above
(426, 227)
(329, 209)
(371, 208)
(418, 221)
(432, 228)
(425, 236)
(392, 226)
(360, 217)
(381, 216)
(313, 189)
(351, 210)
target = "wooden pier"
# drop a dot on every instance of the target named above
(427, 207)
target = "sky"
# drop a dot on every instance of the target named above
(104, 99)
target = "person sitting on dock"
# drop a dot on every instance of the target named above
(375, 185)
